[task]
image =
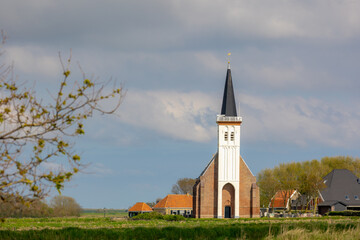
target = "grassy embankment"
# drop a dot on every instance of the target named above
(108, 228)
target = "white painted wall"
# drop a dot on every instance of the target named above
(229, 162)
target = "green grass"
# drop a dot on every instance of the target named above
(100, 213)
(121, 228)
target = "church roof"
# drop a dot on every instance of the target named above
(228, 105)
(176, 201)
(140, 207)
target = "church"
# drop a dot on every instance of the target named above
(226, 188)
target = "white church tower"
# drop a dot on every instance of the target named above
(228, 151)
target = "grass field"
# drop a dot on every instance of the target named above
(121, 228)
(100, 213)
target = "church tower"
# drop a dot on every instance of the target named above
(226, 188)
(228, 153)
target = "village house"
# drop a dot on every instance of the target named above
(139, 207)
(342, 192)
(176, 204)
(226, 188)
(282, 200)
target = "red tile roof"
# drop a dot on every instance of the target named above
(280, 198)
(140, 207)
(176, 201)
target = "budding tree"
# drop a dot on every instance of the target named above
(35, 133)
(184, 186)
(65, 206)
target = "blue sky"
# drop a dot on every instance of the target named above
(295, 66)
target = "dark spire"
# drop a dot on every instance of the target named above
(228, 105)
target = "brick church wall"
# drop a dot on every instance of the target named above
(249, 193)
(205, 193)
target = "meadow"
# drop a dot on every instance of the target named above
(123, 228)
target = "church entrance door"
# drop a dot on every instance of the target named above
(227, 212)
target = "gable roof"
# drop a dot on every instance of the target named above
(176, 201)
(140, 207)
(207, 166)
(331, 203)
(228, 105)
(339, 184)
(281, 199)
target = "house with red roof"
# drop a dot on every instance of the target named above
(139, 207)
(282, 199)
(178, 204)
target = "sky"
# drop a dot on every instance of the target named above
(295, 68)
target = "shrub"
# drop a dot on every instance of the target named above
(174, 218)
(156, 215)
(344, 213)
(148, 216)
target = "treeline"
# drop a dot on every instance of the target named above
(305, 177)
(59, 206)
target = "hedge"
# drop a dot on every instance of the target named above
(344, 213)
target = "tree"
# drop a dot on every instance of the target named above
(35, 133)
(288, 179)
(341, 162)
(151, 204)
(183, 186)
(65, 206)
(305, 177)
(13, 208)
(268, 186)
(311, 180)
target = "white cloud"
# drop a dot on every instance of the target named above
(175, 114)
(98, 169)
(52, 166)
(33, 60)
(317, 19)
(191, 116)
(278, 75)
(164, 24)
(209, 61)
(300, 121)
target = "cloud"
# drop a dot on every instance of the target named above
(33, 60)
(300, 121)
(52, 166)
(191, 116)
(179, 24)
(186, 116)
(98, 169)
(277, 75)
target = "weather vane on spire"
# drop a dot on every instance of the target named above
(228, 58)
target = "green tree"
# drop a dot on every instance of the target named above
(341, 162)
(268, 186)
(305, 177)
(35, 133)
(183, 186)
(287, 176)
(65, 206)
(311, 180)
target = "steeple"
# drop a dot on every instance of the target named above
(228, 105)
